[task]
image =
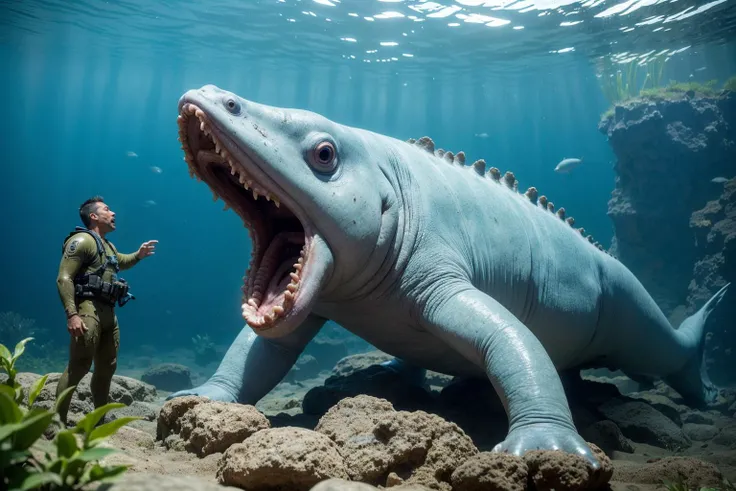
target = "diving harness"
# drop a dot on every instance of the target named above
(91, 285)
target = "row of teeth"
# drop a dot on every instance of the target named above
(249, 307)
(189, 157)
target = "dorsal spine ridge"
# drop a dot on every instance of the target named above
(507, 179)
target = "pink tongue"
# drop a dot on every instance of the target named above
(278, 283)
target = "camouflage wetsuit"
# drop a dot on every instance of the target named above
(101, 340)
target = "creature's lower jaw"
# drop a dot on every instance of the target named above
(314, 275)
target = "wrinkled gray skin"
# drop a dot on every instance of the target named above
(446, 270)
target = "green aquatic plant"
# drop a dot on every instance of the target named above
(620, 81)
(75, 464)
(674, 90)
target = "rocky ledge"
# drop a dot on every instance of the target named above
(668, 152)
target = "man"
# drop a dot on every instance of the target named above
(89, 287)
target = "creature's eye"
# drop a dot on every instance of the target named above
(232, 105)
(324, 157)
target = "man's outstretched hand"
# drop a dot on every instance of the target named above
(146, 249)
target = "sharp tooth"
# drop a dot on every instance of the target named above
(268, 318)
(289, 296)
(226, 207)
(232, 170)
(268, 196)
(298, 267)
(217, 147)
(301, 260)
(252, 303)
(278, 310)
(249, 182)
(255, 194)
(214, 196)
(277, 203)
(201, 126)
(291, 287)
(294, 277)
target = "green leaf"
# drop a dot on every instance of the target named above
(74, 469)
(66, 444)
(35, 481)
(96, 453)
(9, 410)
(19, 349)
(36, 389)
(62, 397)
(11, 457)
(103, 431)
(5, 354)
(88, 423)
(8, 429)
(19, 393)
(104, 474)
(32, 427)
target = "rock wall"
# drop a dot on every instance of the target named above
(714, 227)
(674, 226)
(668, 152)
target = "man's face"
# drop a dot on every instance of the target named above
(104, 217)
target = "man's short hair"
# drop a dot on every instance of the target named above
(89, 206)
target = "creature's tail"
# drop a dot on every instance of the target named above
(692, 381)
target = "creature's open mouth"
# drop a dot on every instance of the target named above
(281, 241)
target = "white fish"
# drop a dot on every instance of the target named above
(567, 164)
(156, 169)
(481, 135)
(149, 202)
(719, 180)
(130, 153)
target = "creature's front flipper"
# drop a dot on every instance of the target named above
(254, 365)
(522, 373)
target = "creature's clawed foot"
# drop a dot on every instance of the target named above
(208, 390)
(544, 436)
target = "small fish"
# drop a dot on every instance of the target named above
(157, 170)
(719, 180)
(149, 203)
(130, 153)
(481, 135)
(568, 164)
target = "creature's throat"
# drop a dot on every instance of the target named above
(281, 243)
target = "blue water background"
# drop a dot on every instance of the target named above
(76, 100)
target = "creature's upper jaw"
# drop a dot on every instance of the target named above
(289, 261)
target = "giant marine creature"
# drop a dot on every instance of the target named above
(445, 266)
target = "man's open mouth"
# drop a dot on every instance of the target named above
(281, 240)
